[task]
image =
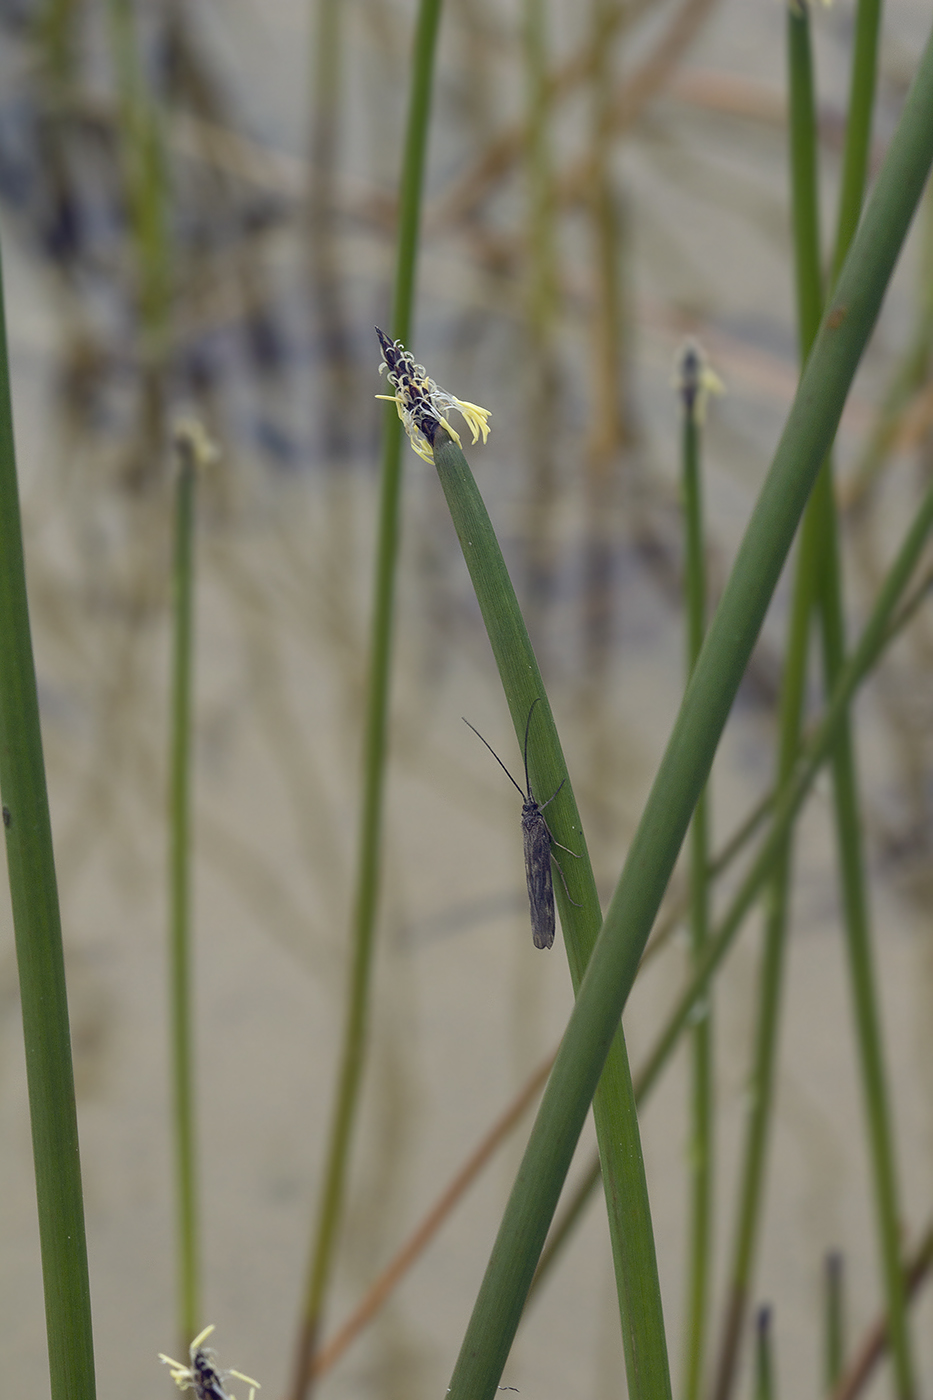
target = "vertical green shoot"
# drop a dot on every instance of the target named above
(192, 452)
(750, 1194)
(146, 183)
(857, 917)
(764, 1358)
(39, 955)
(694, 382)
(353, 1047)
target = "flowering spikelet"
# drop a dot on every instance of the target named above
(694, 380)
(203, 1375)
(422, 405)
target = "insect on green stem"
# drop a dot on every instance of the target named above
(538, 840)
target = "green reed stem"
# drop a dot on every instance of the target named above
(764, 1356)
(700, 1157)
(684, 768)
(861, 967)
(862, 84)
(146, 182)
(377, 705)
(39, 954)
(613, 1104)
(750, 1193)
(857, 920)
(188, 1301)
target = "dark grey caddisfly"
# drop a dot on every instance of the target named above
(538, 854)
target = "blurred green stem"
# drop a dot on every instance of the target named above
(764, 1358)
(39, 954)
(750, 1193)
(862, 84)
(146, 180)
(375, 745)
(188, 1302)
(857, 919)
(700, 1156)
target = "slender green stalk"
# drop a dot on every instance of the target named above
(764, 1358)
(857, 920)
(862, 84)
(39, 954)
(375, 744)
(614, 1104)
(750, 1193)
(767, 1013)
(700, 1159)
(857, 924)
(146, 182)
(805, 207)
(188, 1302)
(611, 971)
(834, 1346)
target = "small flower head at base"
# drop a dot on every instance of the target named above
(423, 405)
(203, 1375)
(694, 380)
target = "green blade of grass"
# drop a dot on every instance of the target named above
(188, 1301)
(684, 768)
(39, 954)
(846, 806)
(749, 1195)
(764, 1357)
(700, 1155)
(614, 1103)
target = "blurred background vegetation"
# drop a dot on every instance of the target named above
(197, 205)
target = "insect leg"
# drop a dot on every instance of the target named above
(576, 904)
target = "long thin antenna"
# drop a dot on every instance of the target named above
(496, 756)
(527, 730)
